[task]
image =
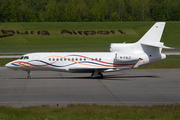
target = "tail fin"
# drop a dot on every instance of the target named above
(149, 41)
(153, 36)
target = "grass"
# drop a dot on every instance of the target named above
(65, 42)
(172, 61)
(90, 112)
(4, 61)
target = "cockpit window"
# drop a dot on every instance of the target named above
(26, 57)
(21, 57)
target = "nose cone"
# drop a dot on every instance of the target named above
(13, 65)
(8, 65)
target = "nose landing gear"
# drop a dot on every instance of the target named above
(29, 74)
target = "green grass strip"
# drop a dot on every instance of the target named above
(4, 61)
(76, 42)
(90, 112)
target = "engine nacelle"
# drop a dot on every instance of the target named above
(119, 46)
(126, 57)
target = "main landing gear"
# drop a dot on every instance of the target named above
(29, 74)
(97, 74)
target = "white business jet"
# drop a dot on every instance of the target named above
(122, 56)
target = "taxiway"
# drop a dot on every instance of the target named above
(131, 87)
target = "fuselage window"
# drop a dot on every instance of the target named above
(57, 59)
(92, 59)
(61, 59)
(68, 59)
(72, 59)
(21, 57)
(96, 59)
(84, 59)
(49, 59)
(64, 59)
(76, 59)
(80, 59)
(53, 59)
(100, 59)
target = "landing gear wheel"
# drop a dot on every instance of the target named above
(28, 77)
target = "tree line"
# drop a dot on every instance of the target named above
(88, 10)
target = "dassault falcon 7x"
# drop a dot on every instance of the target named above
(122, 56)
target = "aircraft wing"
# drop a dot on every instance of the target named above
(86, 70)
(90, 70)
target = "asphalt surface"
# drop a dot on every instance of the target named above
(131, 87)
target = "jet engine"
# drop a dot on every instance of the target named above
(126, 57)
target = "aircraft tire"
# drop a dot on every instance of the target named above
(28, 77)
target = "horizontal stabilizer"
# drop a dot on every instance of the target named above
(156, 44)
